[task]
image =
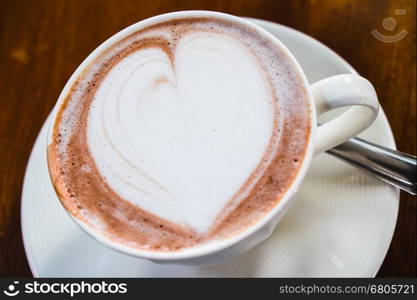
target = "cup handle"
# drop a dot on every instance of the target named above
(343, 90)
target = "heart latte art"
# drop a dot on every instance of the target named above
(183, 132)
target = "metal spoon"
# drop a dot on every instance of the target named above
(393, 167)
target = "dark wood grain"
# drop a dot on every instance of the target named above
(42, 42)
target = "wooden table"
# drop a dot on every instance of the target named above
(42, 42)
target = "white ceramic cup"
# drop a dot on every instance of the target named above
(325, 95)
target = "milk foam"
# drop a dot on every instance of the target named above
(180, 138)
(183, 132)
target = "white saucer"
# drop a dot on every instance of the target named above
(340, 225)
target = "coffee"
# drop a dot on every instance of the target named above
(182, 133)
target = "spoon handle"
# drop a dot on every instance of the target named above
(393, 167)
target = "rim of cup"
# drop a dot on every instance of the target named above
(219, 244)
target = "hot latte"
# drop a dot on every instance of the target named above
(182, 133)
